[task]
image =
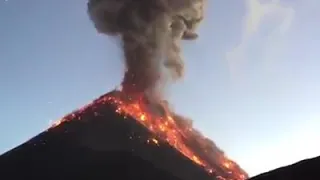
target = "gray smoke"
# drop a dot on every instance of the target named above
(150, 33)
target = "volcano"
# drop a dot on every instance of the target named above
(307, 169)
(99, 141)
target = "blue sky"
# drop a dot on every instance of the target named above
(252, 79)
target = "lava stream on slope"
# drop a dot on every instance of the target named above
(176, 131)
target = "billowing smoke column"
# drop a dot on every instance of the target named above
(150, 32)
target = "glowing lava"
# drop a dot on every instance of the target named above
(165, 128)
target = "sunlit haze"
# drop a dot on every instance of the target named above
(251, 84)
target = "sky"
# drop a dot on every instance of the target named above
(251, 85)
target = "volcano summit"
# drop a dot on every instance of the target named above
(100, 141)
(132, 133)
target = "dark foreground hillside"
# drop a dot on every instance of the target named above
(97, 143)
(308, 169)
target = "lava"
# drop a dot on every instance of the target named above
(165, 128)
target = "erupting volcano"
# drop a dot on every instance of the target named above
(174, 130)
(150, 32)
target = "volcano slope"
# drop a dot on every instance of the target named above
(304, 170)
(98, 143)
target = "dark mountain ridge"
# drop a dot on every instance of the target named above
(308, 169)
(97, 143)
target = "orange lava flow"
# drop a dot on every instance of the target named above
(166, 129)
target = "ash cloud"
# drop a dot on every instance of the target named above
(150, 32)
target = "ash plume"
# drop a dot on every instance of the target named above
(150, 32)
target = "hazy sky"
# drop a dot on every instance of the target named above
(252, 81)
